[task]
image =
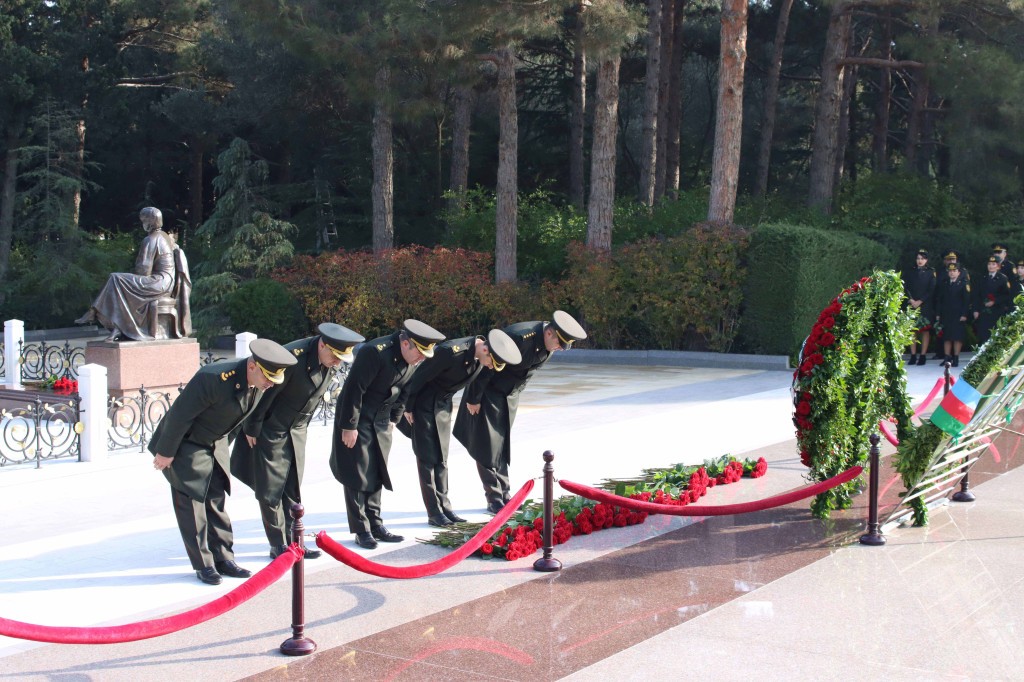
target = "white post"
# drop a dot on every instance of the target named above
(14, 336)
(242, 342)
(92, 387)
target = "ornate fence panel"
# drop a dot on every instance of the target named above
(40, 361)
(209, 358)
(324, 410)
(3, 362)
(134, 418)
(46, 428)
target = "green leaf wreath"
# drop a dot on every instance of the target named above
(850, 374)
(916, 451)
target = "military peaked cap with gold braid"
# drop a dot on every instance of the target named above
(271, 358)
(423, 336)
(340, 340)
(567, 329)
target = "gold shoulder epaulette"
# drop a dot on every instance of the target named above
(224, 376)
(526, 336)
(299, 351)
(381, 346)
(456, 348)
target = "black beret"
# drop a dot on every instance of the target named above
(503, 349)
(341, 340)
(567, 329)
(272, 359)
(423, 336)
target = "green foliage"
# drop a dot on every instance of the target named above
(898, 201)
(683, 292)
(850, 376)
(265, 308)
(793, 270)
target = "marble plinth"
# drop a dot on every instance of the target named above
(160, 366)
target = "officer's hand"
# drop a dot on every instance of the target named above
(964, 319)
(160, 462)
(408, 417)
(348, 437)
(251, 441)
(473, 408)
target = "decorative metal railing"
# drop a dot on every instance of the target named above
(3, 361)
(40, 361)
(133, 419)
(43, 429)
(324, 410)
(209, 358)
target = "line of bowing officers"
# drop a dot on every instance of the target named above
(407, 378)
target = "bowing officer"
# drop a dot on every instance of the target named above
(190, 447)
(428, 410)
(488, 407)
(271, 457)
(371, 402)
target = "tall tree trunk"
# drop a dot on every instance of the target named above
(661, 138)
(602, 155)
(919, 103)
(928, 142)
(771, 99)
(725, 164)
(649, 129)
(674, 123)
(577, 115)
(880, 129)
(195, 189)
(462, 118)
(824, 142)
(845, 118)
(506, 228)
(383, 192)
(7, 191)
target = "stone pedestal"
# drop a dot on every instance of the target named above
(160, 366)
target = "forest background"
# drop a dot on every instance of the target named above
(689, 174)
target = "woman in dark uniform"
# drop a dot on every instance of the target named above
(992, 299)
(920, 288)
(952, 307)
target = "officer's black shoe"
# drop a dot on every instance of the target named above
(922, 359)
(454, 518)
(956, 360)
(439, 521)
(384, 535)
(495, 507)
(209, 575)
(229, 568)
(310, 553)
(365, 540)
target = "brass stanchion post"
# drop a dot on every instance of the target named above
(298, 644)
(547, 563)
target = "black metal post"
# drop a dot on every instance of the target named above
(873, 536)
(964, 494)
(38, 419)
(547, 563)
(298, 644)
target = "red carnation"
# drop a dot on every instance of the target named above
(488, 548)
(827, 340)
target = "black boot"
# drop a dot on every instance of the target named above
(922, 359)
(956, 360)
(913, 359)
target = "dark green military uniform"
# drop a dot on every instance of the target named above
(274, 467)
(486, 434)
(371, 401)
(430, 392)
(195, 432)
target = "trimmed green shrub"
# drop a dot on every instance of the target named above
(793, 271)
(898, 201)
(265, 308)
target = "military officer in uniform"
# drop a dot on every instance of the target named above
(1018, 281)
(952, 308)
(428, 410)
(489, 403)
(271, 457)
(992, 298)
(190, 447)
(919, 286)
(1005, 264)
(371, 402)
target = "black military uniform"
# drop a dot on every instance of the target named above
(953, 301)
(195, 433)
(950, 256)
(453, 366)
(1017, 283)
(273, 467)
(919, 285)
(371, 401)
(994, 289)
(1005, 264)
(486, 434)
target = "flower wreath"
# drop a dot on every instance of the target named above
(849, 375)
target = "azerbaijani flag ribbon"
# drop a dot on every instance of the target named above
(956, 408)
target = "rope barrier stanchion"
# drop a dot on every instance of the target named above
(873, 537)
(964, 494)
(547, 563)
(712, 510)
(298, 644)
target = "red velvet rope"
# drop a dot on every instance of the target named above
(133, 632)
(361, 563)
(885, 424)
(706, 510)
